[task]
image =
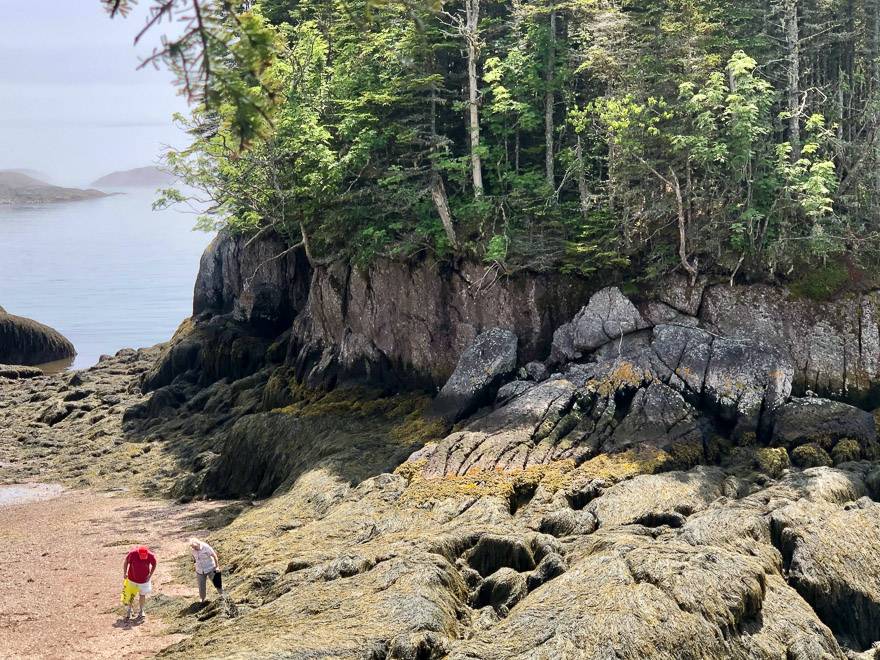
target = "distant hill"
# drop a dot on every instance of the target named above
(19, 188)
(141, 177)
(42, 177)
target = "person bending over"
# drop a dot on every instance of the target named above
(207, 567)
(139, 566)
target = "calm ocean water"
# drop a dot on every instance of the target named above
(107, 273)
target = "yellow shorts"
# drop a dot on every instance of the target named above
(129, 591)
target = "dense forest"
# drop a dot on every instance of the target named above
(633, 136)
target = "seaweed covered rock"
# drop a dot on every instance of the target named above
(26, 342)
(14, 372)
(832, 553)
(629, 597)
(207, 351)
(810, 455)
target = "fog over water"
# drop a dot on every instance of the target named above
(73, 104)
(108, 273)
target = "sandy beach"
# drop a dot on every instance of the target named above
(61, 555)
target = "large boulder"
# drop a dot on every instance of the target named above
(480, 371)
(832, 554)
(26, 342)
(747, 380)
(609, 316)
(803, 421)
(744, 381)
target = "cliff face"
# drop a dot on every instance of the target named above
(408, 323)
(23, 341)
(392, 325)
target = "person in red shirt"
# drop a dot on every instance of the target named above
(139, 566)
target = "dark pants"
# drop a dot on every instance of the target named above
(215, 578)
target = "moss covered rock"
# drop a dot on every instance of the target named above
(772, 461)
(846, 450)
(810, 455)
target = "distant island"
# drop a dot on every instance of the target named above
(21, 189)
(141, 177)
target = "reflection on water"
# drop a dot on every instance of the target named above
(57, 366)
(107, 273)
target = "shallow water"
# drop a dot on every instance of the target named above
(107, 273)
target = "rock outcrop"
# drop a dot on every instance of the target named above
(26, 342)
(392, 325)
(834, 346)
(480, 371)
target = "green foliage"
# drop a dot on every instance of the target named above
(671, 146)
(821, 283)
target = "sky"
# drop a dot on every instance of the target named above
(72, 103)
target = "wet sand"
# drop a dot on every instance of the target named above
(25, 493)
(61, 557)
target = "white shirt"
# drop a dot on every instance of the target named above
(204, 559)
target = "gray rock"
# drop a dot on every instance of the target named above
(744, 380)
(748, 381)
(677, 292)
(658, 416)
(513, 390)
(658, 313)
(801, 421)
(562, 348)
(480, 370)
(608, 317)
(833, 346)
(537, 372)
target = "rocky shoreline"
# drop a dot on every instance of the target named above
(688, 472)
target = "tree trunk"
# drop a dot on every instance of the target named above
(441, 201)
(583, 185)
(682, 231)
(875, 48)
(793, 59)
(549, 102)
(472, 10)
